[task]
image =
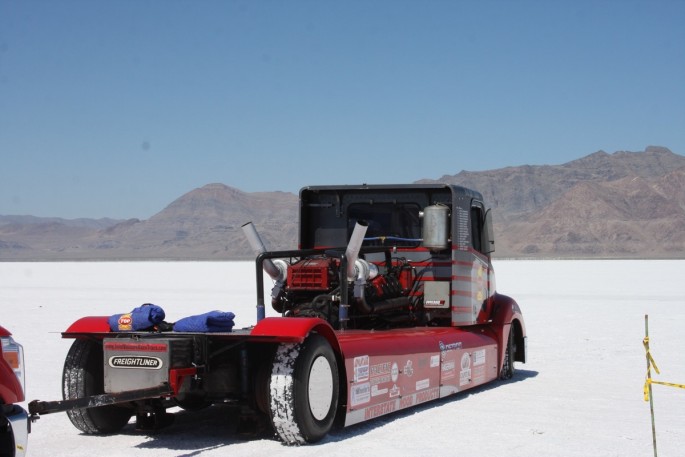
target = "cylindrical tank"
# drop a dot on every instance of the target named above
(435, 227)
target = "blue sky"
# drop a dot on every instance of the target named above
(115, 109)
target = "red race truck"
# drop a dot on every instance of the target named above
(389, 301)
(14, 423)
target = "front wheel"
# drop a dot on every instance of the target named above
(508, 364)
(82, 377)
(303, 390)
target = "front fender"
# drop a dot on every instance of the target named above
(505, 310)
(507, 317)
(10, 388)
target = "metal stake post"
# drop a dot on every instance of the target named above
(649, 384)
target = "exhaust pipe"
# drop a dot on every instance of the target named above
(277, 272)
(353, 247)
(359, 270)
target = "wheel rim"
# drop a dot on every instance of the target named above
(320, 389)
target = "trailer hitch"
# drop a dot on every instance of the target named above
(36, 407)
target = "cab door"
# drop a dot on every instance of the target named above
(482, 275)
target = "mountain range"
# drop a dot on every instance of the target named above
(619, 205)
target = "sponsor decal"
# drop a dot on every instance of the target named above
(380, 373)
(427, 395)
(380, 409)
(445, 348)
(448, 370)
(406, 402)
(465, 373)
(375, 391)
(135, 347)
(419, 397)
(137, 361)
(408, 369)
(125, 322)
(479, 357)
(380, 369)
(360, 394)
(361, 368)
(380, 379)
(478, 374)
(435, 361)
(423, 384)
(434, 303)
(394, 372)
(394, 391)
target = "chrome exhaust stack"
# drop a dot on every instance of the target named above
(278, 269)
(353, 248)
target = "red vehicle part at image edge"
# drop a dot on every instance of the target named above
(14, 423)
(388, 302)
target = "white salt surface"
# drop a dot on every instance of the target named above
(580, 394)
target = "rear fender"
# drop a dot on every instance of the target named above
(295, 330)
(90, 324)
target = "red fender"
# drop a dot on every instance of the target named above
(507, 316)
(90, 324)
(295, 329)
(10, 389)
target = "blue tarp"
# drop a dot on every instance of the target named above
(213, 321)
(141, 318)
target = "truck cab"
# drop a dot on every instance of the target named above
(439, 237)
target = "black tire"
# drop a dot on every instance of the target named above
(83, 376)
(303, 390)
(508, 368)
(7, 446)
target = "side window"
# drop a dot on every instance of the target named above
(477, 219)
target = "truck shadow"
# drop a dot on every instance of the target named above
(365, 427)
(195, 432)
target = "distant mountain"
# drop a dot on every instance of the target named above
(80, 223)
(625, 204)
(205, 223)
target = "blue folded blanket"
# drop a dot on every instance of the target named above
(141, 318)
(213, 321)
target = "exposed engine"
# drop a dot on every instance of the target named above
(384, 293)
(379, 295)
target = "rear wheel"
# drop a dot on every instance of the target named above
(304, 390)
(83, 376)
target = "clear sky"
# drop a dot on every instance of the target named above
(116, 108)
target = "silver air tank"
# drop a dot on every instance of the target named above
(435, 227)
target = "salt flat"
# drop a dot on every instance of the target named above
(580, 394)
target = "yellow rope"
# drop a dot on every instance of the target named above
(649, 380)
